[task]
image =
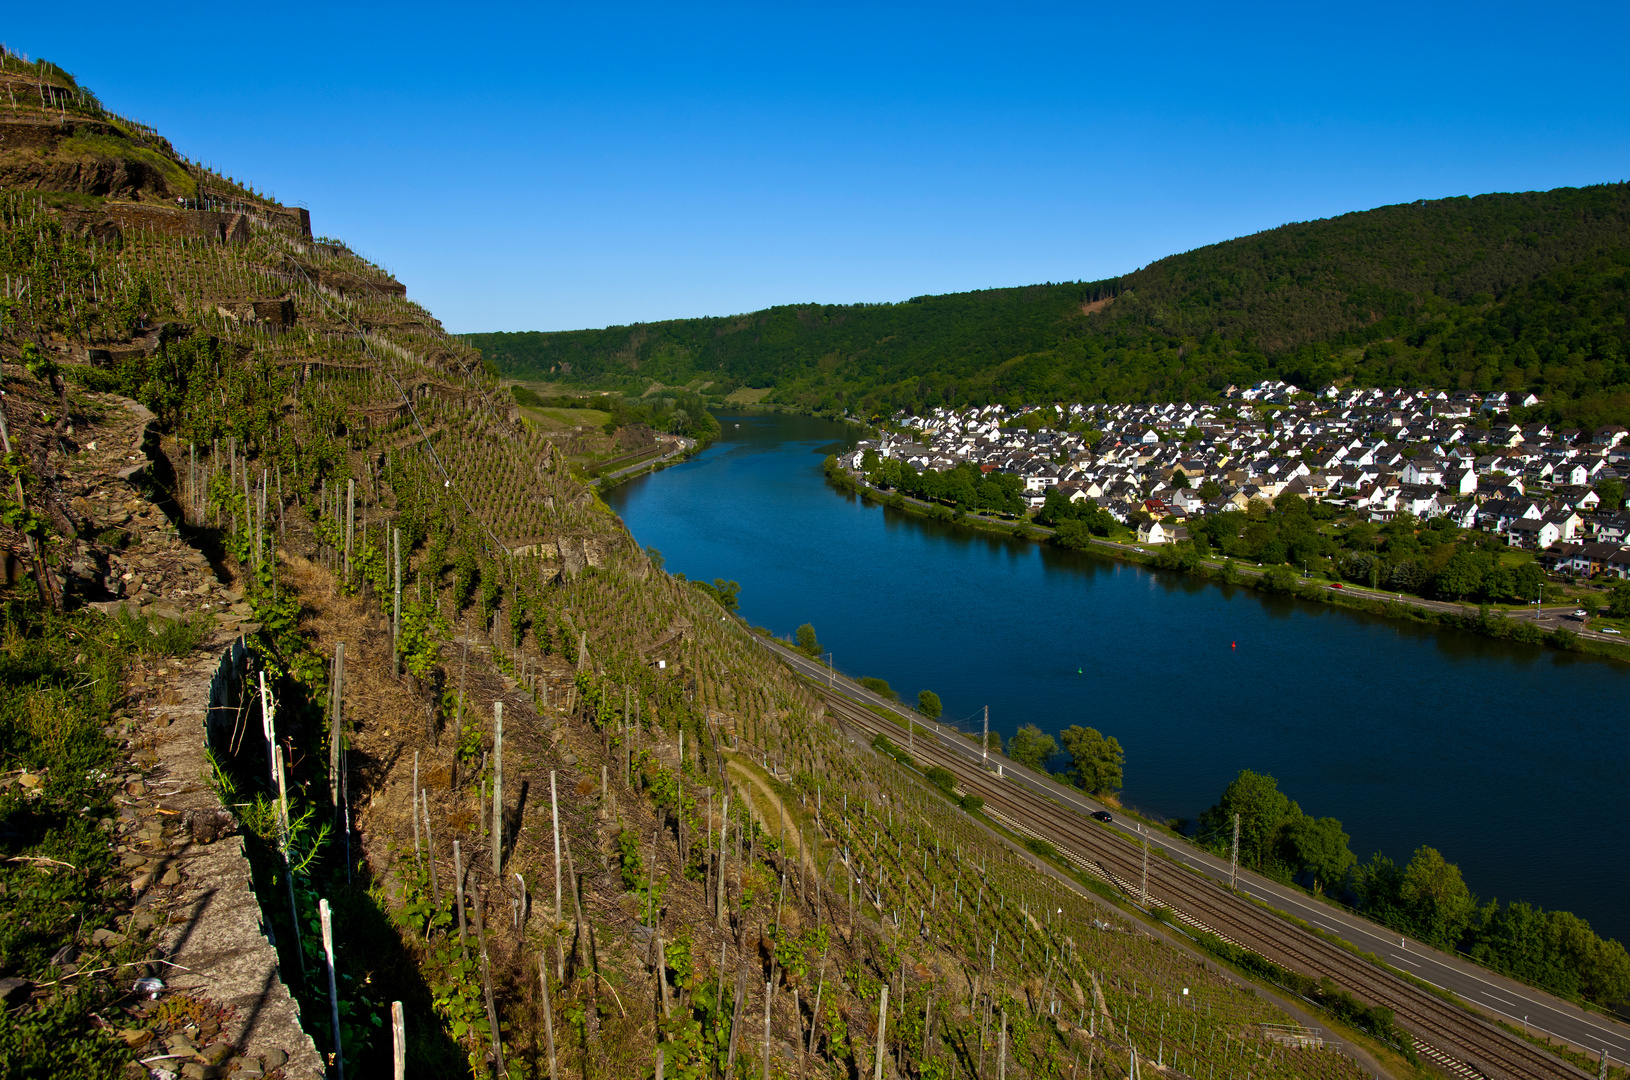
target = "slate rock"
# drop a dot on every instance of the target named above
(209, 824)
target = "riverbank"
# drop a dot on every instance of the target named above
(1492, 622)
(688, 448)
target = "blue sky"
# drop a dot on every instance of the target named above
(540, 167)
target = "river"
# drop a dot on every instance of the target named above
(1507, 758)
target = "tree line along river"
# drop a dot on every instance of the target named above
(1508, 758)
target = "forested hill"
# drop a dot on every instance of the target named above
(1506, 291)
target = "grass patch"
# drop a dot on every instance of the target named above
(176, 178)
(60, 680)
(72, 200)
(572, 417)
(152, 635)
(747, 395)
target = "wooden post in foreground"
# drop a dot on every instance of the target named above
(333, 988)
(882, 1020)
(398, 1041)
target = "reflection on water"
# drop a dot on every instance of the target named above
(1409, 734)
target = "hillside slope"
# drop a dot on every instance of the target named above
(1506, 291)
(454, 682)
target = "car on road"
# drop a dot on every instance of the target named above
(1609, 630)
(1102, 815)
(1579, 614)
(1337, 585)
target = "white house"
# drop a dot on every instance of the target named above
(1424, 471)
(1154, 532)
(1531, 534)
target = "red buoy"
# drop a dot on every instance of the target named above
(1233, 644)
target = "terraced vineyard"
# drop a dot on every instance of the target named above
(558, 805)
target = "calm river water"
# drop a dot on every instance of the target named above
(1509, 759)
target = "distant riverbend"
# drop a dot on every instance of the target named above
(1508, 758)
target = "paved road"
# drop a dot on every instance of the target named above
(1491, 993)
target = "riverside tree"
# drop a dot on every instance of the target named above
(1321, 846)
(1264, 813)
(1032, 747)
(1096, 760)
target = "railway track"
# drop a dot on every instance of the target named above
(1445, 1034)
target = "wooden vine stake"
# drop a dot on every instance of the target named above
(268, 722)
(336, 714)
(497, 788)
(333, 986)
(416, 808)
(1001, 1052)
(554, 809)
(486, 984)
(769, 992)
(548, 1013)
(430, 852)
(396, 611)
(882, 1019)
(350, 523)
(724, 826)
(398, 1041)
(458, 884)
(283, 842)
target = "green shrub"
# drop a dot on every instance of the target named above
(883, 745)
(628, 848)
(972, 803)
(1280, 579)
(1566, 640)
(97, 380)
(1041, 847)
(941, 778)
(880, 687)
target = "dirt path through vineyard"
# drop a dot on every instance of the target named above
(767, 806)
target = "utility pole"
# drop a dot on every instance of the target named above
(1233, 862)
(984, 746)
(1143, 830)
